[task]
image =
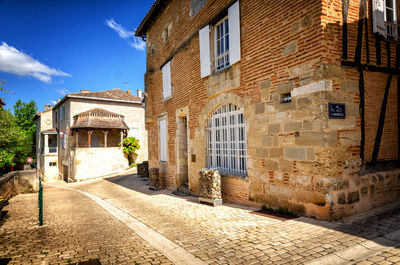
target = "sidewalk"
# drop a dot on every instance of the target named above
(96, 219)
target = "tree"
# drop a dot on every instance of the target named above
(14, 143)
(24, 114)
(131, 144)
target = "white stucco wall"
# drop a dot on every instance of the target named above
(96, 162)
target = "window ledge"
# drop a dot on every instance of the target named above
(167, 98)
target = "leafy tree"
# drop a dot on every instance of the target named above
(24, 114)
(131, 145)
(14, 143)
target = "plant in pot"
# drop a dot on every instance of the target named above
(130, 146)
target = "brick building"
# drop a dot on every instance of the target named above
(296, 102)
(90, 126)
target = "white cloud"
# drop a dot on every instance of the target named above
(53, 102)
(63, 91)
(134, 42)
(16, 62)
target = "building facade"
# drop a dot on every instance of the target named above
(91, 127)
(46, 145)
(295, 103)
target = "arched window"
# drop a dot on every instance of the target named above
(226, 140)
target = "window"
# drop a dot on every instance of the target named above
(222, 44)
(166, 76)
(55, 118)
(385, 18)
(226, 36)
(163, 140)
(52, 164)
(62, 113)
(226, 140)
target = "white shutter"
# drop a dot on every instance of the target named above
(205, 63)
(163, 140)
(378, 24)
(234, 32)
(166, 75)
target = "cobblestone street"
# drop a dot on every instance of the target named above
(78, 229)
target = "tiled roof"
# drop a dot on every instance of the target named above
(100, 119)
(109, 94)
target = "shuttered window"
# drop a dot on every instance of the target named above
(166, 76)
(163, 140)
(226, 34)
(385, 18)
(226, 140)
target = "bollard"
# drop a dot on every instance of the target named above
(40, 202)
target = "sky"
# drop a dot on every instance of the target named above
(49, 48)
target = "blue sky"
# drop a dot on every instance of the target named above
(52, 47)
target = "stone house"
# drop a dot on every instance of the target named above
(91, 126)
(296, 103)
(46, 145)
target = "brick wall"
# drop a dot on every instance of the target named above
(297, 157)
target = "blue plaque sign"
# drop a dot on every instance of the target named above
(337, 111)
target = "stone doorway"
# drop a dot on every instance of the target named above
(182, 154)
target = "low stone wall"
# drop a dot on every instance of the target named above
(16, 182)
(365, 192)
(143, 169)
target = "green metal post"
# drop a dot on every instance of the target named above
(40, 202)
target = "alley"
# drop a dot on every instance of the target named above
(78, 229)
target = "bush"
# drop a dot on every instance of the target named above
(130, 146)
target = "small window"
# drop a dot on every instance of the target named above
(52, 164)
(62, 113)
(286, 98)
(166, 76)
(221, 44)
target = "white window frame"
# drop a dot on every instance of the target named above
(391, 26)
(163, 131)
(221, 58)
(166, 77)
(226, 140)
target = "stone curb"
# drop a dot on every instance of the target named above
(361, 251)
(168, 248)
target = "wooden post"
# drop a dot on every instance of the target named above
(122, 138)
(46, 143)
(77, 138)
(105, 138)
(89, 138)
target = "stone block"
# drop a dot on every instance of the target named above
(342, 198)
(289, 49)
(275, 140)
(310, 139)
(293, 153)
(303, 102)
(275, 152)
(285, 87)
(306, 21)
(292, 126)
(307, 125)
(266, 84)
(261, 152)
(267, 140)
(332, 138)
(350, 138)
(271, 165)
(310, 154)
(278, 106)
(274, 128)
(353, 197)
(286, 166)
(313, 87)
(259, 108)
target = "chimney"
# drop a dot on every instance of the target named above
(45, 107)
(85, 91)
(129, 91)
(139, 93)
(58, 100)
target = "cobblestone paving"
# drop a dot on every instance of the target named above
(387, 257)
(76, 229)
(231, 235)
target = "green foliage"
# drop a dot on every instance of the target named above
(131, 145)
(15, 144)
(24, 114)
(2, 83)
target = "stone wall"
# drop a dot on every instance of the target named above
(90, 163)
(16, 182)
(297, 157)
